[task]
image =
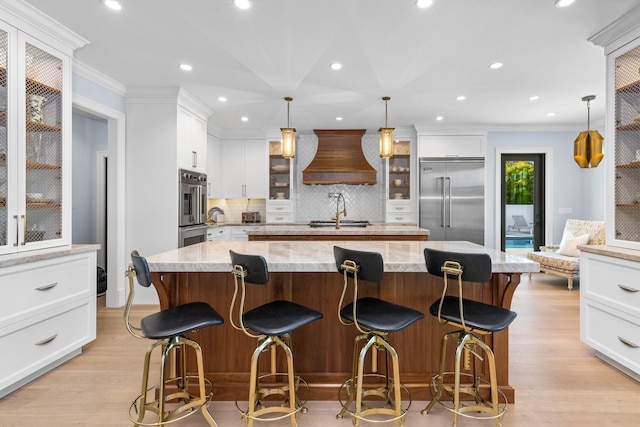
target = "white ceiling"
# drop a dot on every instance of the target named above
(422, 58)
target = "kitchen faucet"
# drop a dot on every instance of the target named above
(338, 211)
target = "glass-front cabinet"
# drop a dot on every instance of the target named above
(34, 183)
(399, 206)
(279, 173)
(626, 148)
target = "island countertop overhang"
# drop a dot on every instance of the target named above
(317, 256)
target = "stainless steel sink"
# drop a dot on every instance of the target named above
(343, 223)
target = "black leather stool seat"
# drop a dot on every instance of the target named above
(378, 315)
(179, 320)
(477, 315)
(279, 317)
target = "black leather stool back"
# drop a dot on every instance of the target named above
(476, 267)
(254, 265)
(371, 263)
(142, 269)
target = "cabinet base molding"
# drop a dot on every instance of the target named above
(617, 365)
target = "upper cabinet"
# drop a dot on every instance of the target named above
(192, 140)
(279, 173)
(439, 146)
(35, 139)
(244, 169)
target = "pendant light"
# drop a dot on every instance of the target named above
(288, 136)
(386, 134)
(587, 148)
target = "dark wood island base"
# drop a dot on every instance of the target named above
(322, 350)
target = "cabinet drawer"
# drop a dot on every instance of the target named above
(35, 346)
(218, 234)
(400, 218)
(394, 207)
(275, 217)
(615, 335)
(42, 285)
(279, 207)
(612, 281)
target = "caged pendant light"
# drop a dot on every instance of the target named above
(288, 136)
(587, 148)
(386, 134)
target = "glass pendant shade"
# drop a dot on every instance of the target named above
(288, 136)
(288, 143)
(386, 135)
(386, 142)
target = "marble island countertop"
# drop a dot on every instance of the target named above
(303, 229)
(317, 256)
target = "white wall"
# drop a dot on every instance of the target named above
(89, 136)
(581, 190)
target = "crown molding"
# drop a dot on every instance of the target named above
(619, 32)
(97, 77)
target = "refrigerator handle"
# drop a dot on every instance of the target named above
(449, 200)
(444, 199)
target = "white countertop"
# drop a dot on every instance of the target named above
(306, 230)
(42, 254)
(317, 256)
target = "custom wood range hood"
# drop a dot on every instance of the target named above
(339, 159)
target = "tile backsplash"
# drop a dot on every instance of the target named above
(363, 202)
(312, 202)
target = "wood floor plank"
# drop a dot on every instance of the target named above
(558, 380)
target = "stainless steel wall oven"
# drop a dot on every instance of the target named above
(192, 207)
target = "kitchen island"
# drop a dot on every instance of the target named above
(305, 272)
(356, 230)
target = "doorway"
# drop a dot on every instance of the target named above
(522, 202)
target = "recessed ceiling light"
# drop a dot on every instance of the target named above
(551, 114)
(461, 98)
(496, 65)
(439, 118)
(186, 67)
(244, 119)
(112, 4)
(564, 3)
(422, 4)
(222, 98)
(534, 98)
(336, 66)
(242, 4)
(339, 119)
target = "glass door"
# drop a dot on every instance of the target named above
(522, 203)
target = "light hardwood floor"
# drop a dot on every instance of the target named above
(558, 380)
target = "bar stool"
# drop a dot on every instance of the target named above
(168, 327)
(271, 324)
(374, 319)
(474, 318)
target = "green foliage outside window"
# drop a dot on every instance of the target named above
(519, 183)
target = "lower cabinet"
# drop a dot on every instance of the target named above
(47, 313)
(279, 211)
(610, 307)
(400, 212)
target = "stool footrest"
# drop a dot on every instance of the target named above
(272, 407)
(380, 390)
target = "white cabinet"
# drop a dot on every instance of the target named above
(192, 141)
(451, 146)
(49, 316)
(218, 234)
(35, 136)
(279, 211)
(214, 167)
(244, 169)
(610, 307)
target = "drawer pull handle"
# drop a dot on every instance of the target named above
(47, 340)
(279, 218)
(279, 209)
(398, 208)
(46, 287)
(628, 288)
(627, 342)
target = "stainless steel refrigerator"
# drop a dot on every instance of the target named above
(452, 199)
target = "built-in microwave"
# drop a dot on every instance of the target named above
(193, 198)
